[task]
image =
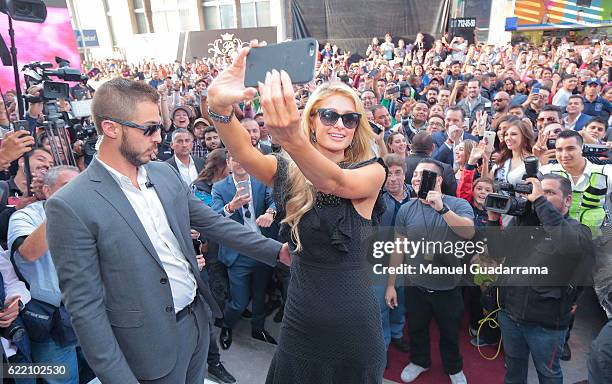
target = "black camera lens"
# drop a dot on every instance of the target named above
(531, 166)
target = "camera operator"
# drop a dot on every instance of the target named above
(535, 319)
(12, 191)
(591, 184)
(52, 342)
(15, 345)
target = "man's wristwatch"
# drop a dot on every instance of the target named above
(443, 210)
(220, 118)
(272, 212)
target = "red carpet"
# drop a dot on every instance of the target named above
(476, 368)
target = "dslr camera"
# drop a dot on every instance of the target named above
(506, 200)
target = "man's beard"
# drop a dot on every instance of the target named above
(129, 153)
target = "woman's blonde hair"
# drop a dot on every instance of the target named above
(301, 192)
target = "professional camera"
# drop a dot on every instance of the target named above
(506, 201)
(13, 332)
(40, 73)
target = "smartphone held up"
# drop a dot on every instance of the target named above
(297, 58)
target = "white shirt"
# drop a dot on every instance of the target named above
(188, 173)
(583, 181)
(568, 125)
(12, 287)
(248, 221)
(150, 211)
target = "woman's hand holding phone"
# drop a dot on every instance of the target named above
(228, 88)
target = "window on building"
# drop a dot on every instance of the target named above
(219, 14)
(141, 18)
(171, 15)
(255, 13)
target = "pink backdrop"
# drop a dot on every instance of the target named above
(40, 42)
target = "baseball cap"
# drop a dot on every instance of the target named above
(187, 110)
(593, 80)
(201, 120)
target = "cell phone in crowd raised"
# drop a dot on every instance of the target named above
(377, 130)
(490, 137)
(245, 187)
(393, 92)
(551, 143)
(373, 73)
(297, 58)
(428, 183)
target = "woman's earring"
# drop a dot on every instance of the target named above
(313, 138)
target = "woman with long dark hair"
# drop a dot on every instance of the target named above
(327, 196)
(215, 169)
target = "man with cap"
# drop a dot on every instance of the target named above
(179, 118)
(199, 147)
(594, 104)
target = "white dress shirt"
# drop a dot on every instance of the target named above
(153, 218)
(188, 173)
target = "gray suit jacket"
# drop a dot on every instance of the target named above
(112, 280)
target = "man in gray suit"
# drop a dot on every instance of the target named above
(119, 235)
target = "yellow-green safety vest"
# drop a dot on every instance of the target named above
(588, 207)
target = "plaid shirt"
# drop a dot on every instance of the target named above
(199, 150)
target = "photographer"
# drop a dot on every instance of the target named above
(12, 191)
(15, 344)
(591, 184)
(535, 319)
(52, 341)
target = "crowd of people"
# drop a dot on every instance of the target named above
(312, 165)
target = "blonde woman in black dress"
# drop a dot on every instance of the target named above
(327, 196)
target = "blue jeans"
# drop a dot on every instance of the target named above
(392, 319)
(544, 344)
(51, 353)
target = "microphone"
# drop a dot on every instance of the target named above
(149, 184)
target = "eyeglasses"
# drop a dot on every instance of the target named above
(148, 130)
(329, 117)
(436, 124)
(247, 213)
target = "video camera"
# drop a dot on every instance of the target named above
(40, 73)
(506, 201)
(55, 124)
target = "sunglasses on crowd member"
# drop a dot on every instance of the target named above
(260, 123)
(499, 100)
(329, 117)
(148, 130)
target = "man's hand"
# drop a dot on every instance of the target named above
(477, 152)
(454, 134)
(36, 187)
(265, 220)
(536, 191)
(10, 312)
(238, 201)
(434, 198)
(14, 145)
(284, 256)
(201, 261)
(391, 297)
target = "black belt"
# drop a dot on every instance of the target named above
(187, 310)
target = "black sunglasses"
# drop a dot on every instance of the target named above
(247, 213)
(329, 117)
(148, 130)
(260, 123)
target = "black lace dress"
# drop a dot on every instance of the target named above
(331, 331)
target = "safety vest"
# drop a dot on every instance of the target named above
(588, 207)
